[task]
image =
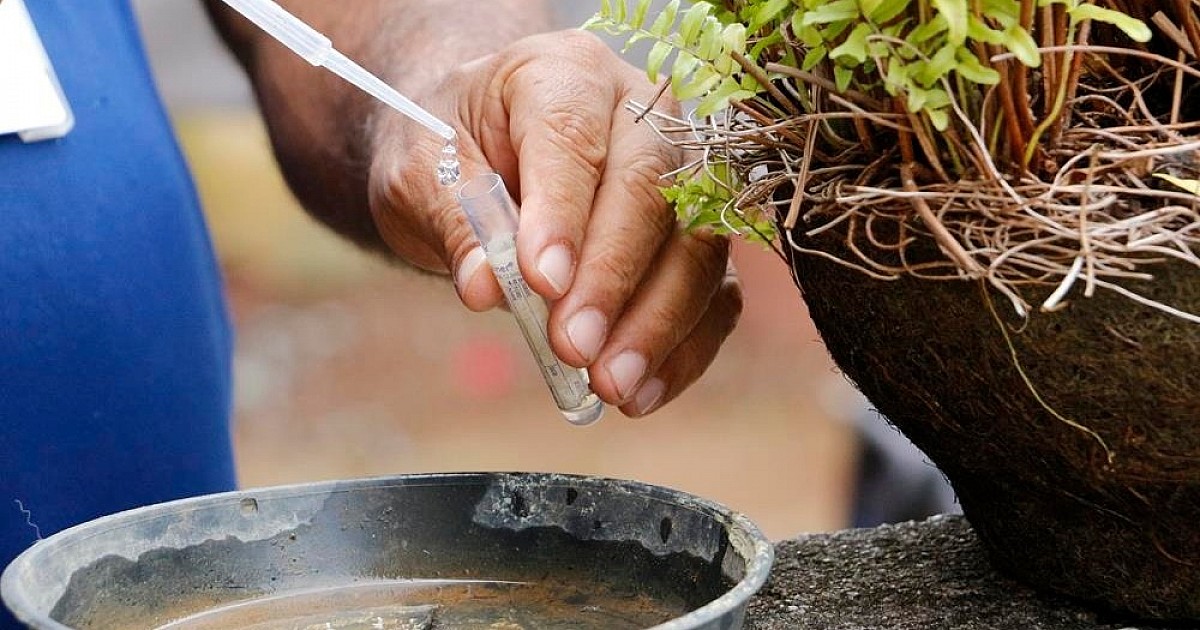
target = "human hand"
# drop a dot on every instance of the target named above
(641, 303)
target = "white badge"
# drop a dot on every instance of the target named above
(32, 103)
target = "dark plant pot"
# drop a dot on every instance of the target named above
(1044, 496)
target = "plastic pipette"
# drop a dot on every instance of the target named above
(318, 50)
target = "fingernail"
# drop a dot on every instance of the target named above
(555, 266)
(649, 396)
(467, 268)
(586, 331)
(626, 370)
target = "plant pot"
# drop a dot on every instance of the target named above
(1014, 415)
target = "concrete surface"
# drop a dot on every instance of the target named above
(930, 575)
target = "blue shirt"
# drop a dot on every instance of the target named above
(114, 341)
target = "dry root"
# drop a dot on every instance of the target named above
(1100, 214)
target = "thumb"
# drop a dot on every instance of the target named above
(424, 225)
(475, 282)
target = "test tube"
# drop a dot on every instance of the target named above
(493, 216)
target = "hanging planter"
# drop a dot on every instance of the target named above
(991, 209)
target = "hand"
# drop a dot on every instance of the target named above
(641, 303)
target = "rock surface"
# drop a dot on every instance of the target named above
(913, 576)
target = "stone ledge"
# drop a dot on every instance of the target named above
(913, 576)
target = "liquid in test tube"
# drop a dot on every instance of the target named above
(493, 215)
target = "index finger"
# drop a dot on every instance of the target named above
(560, 120)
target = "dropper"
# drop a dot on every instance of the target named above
(318, 50)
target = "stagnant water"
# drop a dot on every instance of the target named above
(440, 605)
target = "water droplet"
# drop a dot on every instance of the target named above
(448, 169)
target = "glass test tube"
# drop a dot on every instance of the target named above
(493, 215)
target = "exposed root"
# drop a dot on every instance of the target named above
(1110, 457)
(1095, 212)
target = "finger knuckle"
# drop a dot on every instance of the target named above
(708, 252)
(618, 271)
(451, 223)
(409, 227)
(583, 41)
(578, 134)
(667, 317)
(640, 177)
(385, 190)
(386, 195)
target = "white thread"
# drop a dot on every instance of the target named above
(28, 518)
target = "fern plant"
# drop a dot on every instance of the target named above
(925, 72)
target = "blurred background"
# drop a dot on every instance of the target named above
(349, 367)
